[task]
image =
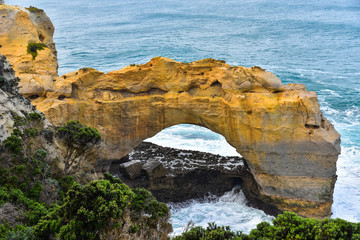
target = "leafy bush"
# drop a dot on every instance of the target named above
(34, 9)
(286, 226)
(13, 144)
(80, 141)
(23, 233)
(33, 48)
(34, 116)
(48, 135)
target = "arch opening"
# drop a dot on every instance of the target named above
(183, 162)
(191, 168)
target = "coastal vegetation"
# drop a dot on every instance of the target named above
(42, 205)
(34, 9)
(286, 226)
(33, 48)
(80, 141)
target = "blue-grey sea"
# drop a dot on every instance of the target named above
(314, 42)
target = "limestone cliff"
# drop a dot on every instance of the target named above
(18, 27)
(14, 106)
(279, 129)
(290, 147)
(11, 102)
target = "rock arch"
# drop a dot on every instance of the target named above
(290, 147)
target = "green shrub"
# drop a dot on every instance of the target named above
(19, 121)
(133, 229)
(34, 9)
(286, 226)
(21, 233)
(79, 141)
(212, 232)
(13, 144)
(31, 132)
(48, 134)
(35, 190)
(87, 210)
(33, 48)
(34, 116)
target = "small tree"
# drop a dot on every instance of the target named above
(80, 141)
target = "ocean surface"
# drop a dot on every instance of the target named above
(316, 43)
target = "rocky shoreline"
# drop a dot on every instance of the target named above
(175, 175)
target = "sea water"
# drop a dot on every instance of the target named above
(314, 42)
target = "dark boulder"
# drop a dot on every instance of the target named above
(131, 169)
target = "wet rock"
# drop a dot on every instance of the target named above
(175, 175)
(131, 169)
(154, 169)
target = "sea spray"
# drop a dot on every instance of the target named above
(347, 194)
(230, 210)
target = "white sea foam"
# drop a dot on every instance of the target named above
(329, 92)
(347, 192)
(228, 210)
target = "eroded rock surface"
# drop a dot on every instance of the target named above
(290, 147)
(18, 27)
(175, 175)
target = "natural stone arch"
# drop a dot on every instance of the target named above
(279, 129)
(290, 147)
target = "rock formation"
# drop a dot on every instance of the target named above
(11, 102)
(175, 175)
(18, 27)
(289, 146)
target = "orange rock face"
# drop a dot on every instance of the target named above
(18, 28)
(290, 147)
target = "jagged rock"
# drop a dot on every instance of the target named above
(193, 175)
(11, 102)
(19, 27)
(289, 146)
(131, 169)
(11, 214)
(154, 169)
(14, 105)
(187, 174)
